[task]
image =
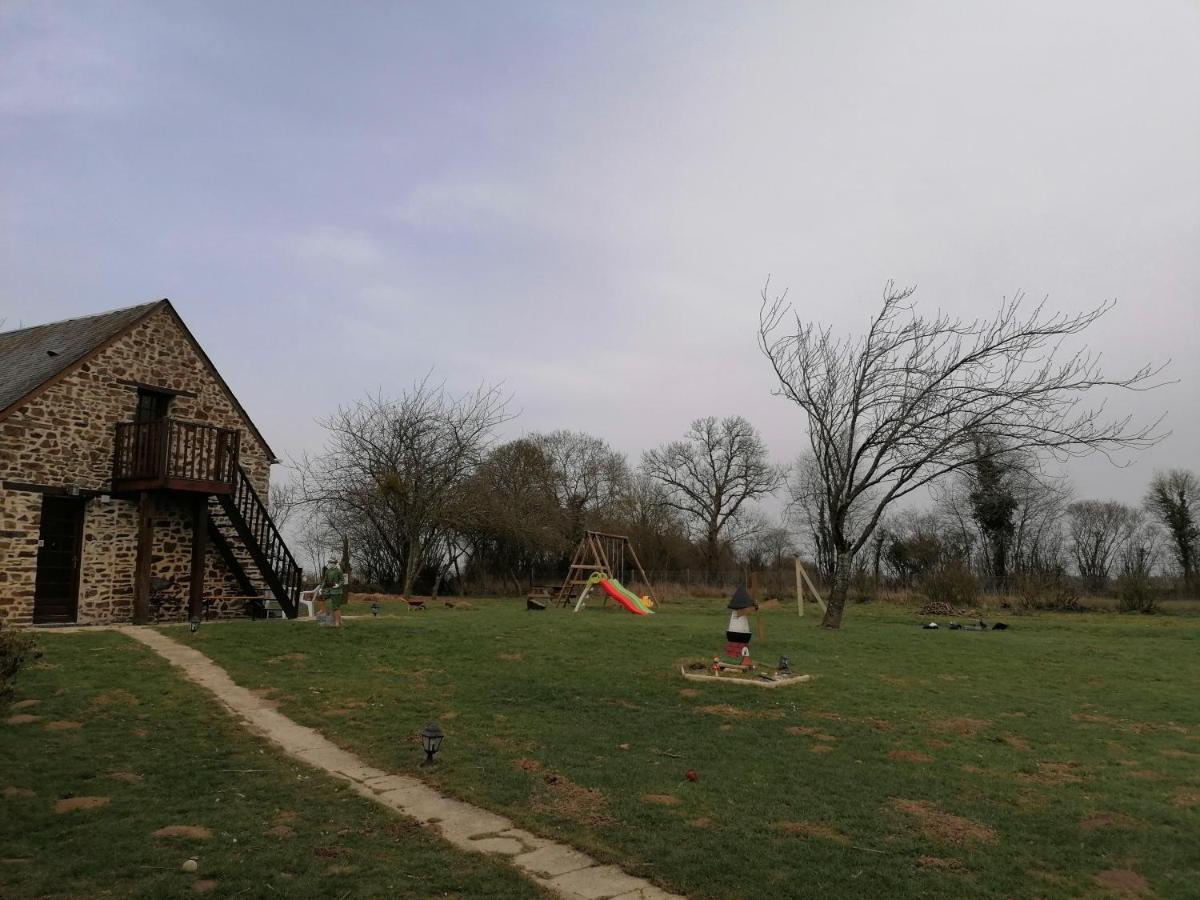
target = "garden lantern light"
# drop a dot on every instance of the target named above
(194, 624)
(374, 607)
(431, 741)
(784, 667)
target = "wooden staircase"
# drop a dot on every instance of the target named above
(251, 545)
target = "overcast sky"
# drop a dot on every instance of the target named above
(584, 200)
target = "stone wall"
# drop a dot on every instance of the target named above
(65, 434)
(20, 522)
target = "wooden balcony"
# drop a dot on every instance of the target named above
(174, 455)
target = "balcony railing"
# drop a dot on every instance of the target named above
(175, 455)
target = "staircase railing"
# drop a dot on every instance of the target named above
(258, 532)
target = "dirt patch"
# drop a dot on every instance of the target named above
(10, 792)
(1109, 820)
(1016, 741)
(937, 744)
(504, 743)
(821, 748)
(877, 724)
(943, 827)
(1095, 720)
(115, 697)
(702, 822)
(812, 830)
(63, 725)
(732, 712)
(1179, 754)
(188, 832)
(21, 719)
(204, 885)
(127, 777)
(558, 795)
(1053, 774)
(24, 704)
(937, 864)
(510, 657)
(801, 729)
(332, 852)
(282, 831)
(527, 765)
(1123, 883)
(141, 732)
(288, 657)
(661, 799)
(1186, 797)
(962, 727)
(75, 804)
(287, 815)
(914, 756)
(341, 870)
(689, 692)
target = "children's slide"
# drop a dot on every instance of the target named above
(626, 598)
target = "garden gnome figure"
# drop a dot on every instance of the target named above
(737, 635)
(333, 588)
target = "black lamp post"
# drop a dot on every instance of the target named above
(431, 741)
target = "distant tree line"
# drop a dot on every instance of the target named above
(427, 498)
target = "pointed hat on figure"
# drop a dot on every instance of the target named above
(741, 599)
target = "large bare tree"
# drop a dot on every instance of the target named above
(393, 472)
(915, 399)
(1100, 530)
(1174, 500)
(711, 475)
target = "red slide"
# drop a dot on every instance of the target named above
(622, 598)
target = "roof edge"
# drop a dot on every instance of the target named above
(151, 308)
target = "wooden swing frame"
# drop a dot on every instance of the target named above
(599, 551)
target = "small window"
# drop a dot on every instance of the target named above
(152, 406)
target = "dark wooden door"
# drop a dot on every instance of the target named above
(56, 592)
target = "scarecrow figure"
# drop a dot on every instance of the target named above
(737, 636)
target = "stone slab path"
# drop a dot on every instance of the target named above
(563, 870)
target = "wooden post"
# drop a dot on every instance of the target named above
(816, 594)
(145, 555)
(799, 590)
(199, 546)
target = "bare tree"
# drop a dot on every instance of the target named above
(908, 403)
(710, 475)
(282, 501)
(589, 475)
(1174, 500)
(1099, 531)
(393, 471)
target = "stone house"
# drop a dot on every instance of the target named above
(132, 482)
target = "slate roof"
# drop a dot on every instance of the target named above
(29, 357)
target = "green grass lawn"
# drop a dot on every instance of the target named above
(116, 726)
(1050, 760)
